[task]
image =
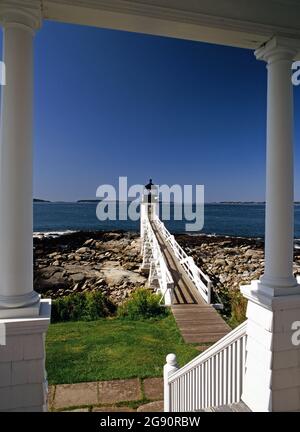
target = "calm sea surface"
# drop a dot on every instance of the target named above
(245, 220)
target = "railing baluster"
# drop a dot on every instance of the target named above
(239, 367)
(188, 408)
(221, 374)
(203, 384)
(229, 386)
(185, 395)
(233, 373)
(208, 381)
(217, 380)
(236, 372)
(196, 388)
(187, 391)
(173, 406)
(181, 394)
(213, 380)
(193, 390)
(225, 376)
(211, 397)
(184, 399)
(191, 408)
(206, 384)
(243, 348)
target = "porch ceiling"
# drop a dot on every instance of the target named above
(241, 23)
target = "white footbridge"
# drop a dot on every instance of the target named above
(214, 379)
(156, 240)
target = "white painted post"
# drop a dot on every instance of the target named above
(271, 380)
(16, 248)
(209, 287)
(169, 294)
(170, 367)
(143, 210)
(24, 316)
(279, 231)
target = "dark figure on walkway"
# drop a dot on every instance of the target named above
(149, 187)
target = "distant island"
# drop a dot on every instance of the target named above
(239, 202)
(89, 201)
(36, 200)
(244, 202)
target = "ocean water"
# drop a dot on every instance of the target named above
(244, 220)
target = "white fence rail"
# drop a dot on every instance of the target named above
(214, 378)
(201, 281)
(159, 270)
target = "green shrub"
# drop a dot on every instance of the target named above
(81, 307)
(238, 308)
(98, 306)
(142, 304)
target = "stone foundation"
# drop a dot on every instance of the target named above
(272, 378)
(23, 381)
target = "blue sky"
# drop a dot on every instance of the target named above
(110, 104)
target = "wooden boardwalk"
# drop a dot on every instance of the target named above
(197, 321)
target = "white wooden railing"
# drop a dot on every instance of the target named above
(214, 378)
(159, 270)
(201, 281)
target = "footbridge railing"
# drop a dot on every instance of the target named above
(160, 277)
(214, 378)
(201, 281)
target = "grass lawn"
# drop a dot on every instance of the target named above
(112, 349)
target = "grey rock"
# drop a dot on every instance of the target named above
(82, 250)
(77, 277)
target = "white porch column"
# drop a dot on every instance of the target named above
(24, 318)
(16, 248)
(272, 379)
(279, 231)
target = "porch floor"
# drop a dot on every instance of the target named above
(237, 407)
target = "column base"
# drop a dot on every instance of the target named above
(272, 377)
(274, 286)
(23, 383)
(21, 306)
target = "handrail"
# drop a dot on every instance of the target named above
(202, 281)
(213, 378)
(165, 280)
(214, 349)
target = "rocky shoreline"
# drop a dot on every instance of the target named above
(88, 261)
(110, 261)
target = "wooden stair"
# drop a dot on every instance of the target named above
(237, 407)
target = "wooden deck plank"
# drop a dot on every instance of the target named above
(200, 339)
(198, 322)
(195, 312)
(204, 329)
(209, 319)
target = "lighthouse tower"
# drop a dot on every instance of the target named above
(149, 207)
